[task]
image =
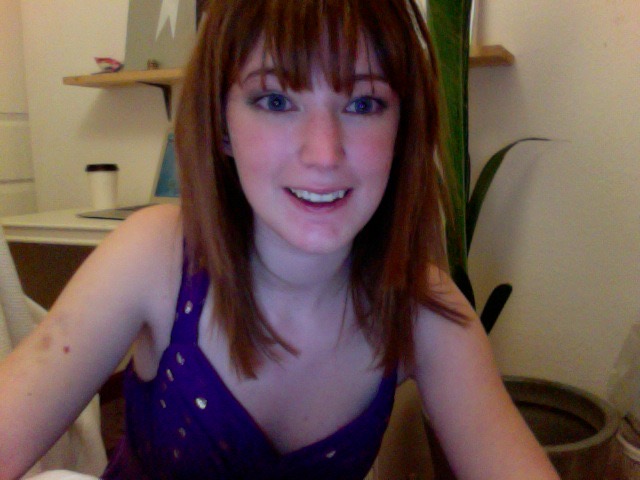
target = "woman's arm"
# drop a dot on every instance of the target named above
(49, 378)
(481, 431)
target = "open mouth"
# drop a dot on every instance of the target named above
(314, 198)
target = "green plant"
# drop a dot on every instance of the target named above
(448, 23)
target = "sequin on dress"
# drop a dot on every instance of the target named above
(186, 423)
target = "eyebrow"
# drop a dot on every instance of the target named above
(271, 71)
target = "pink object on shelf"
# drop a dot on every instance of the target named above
(108, 65)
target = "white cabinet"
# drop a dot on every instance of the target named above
(17, 189)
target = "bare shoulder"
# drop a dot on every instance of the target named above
(128, 282)
(431, 328)
(148, 237)
(450, 347)
(138, 265)
(436, 336)
(463, 394)
(149, 231)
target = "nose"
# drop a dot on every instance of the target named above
(322, 144)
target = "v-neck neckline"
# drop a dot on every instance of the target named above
(250, 420)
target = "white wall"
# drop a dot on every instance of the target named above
(561, 223)
(17, 189)
(73, 126)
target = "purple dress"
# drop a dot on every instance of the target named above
(186, 423)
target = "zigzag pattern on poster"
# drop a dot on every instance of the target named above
(168, 13)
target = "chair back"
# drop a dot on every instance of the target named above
(16, 320)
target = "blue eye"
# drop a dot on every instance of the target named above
(274, 102)
(365, 105)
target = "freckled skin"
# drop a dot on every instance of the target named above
(45, 342)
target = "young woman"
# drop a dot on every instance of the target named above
(302, 279)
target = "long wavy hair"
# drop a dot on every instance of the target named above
(391, 256)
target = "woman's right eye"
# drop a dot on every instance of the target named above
(274, 102)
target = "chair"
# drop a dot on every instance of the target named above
(80, 448)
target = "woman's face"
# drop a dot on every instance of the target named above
(313, 164)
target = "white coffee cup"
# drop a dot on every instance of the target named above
(103, 184)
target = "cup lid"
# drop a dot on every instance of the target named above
(101, 167)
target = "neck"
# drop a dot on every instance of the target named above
(287, 280)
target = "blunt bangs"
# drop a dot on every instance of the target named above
(304, 35)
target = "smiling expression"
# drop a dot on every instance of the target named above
(313, 164)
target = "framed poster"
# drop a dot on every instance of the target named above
(162, 31)
(168, 183)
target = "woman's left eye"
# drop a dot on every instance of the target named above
(365, 105)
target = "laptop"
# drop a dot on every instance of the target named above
(166, 188)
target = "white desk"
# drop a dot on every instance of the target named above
(60, 227)
(48, 247)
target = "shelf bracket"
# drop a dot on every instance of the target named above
(166, 94)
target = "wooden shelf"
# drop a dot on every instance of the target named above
(485, 56)
(490, 56)
(163, 79)
(127, 78)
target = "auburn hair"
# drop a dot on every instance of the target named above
(392, 254)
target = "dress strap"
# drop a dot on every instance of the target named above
(193, 293)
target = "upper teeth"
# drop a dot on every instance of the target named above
(318, 197)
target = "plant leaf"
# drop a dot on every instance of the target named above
(448, 23)
(463, 282)
(482, 186)
(495, 304)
